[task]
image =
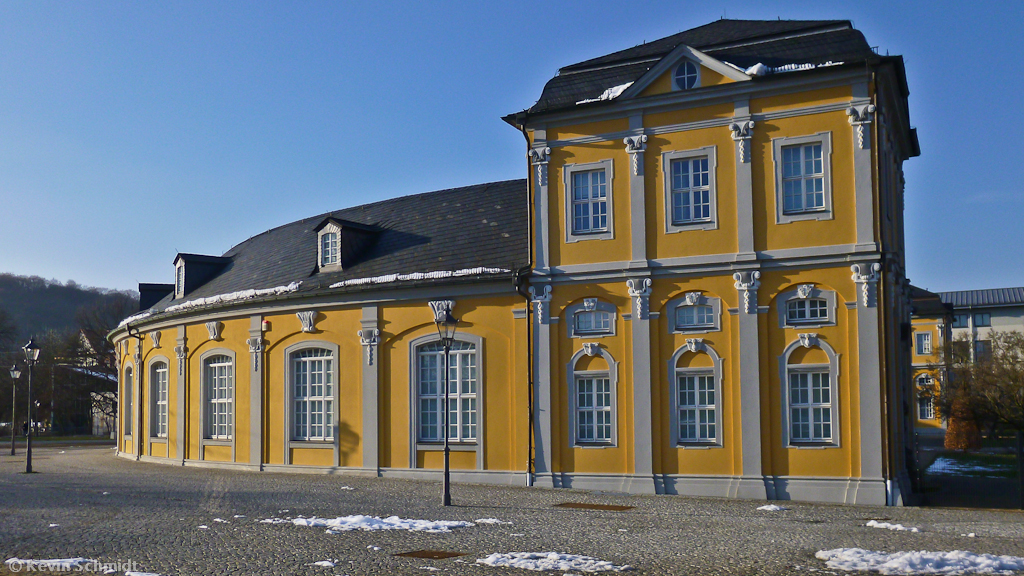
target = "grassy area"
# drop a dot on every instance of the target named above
(973, 464)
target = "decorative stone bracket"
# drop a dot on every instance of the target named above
(691, 298)
(748, 287)
(861, 116)
(741, 133)
(591, 349)
(256, 350)
(180, 352)
(803, 291)
(589, 304)
(695, 344)
(808, 339)
(368, 338)
(155, 336)
(440, 307)
(635, 146)
(308, 320)
(539, 157)
(541, 303)
(214, 329)
(640, 290)
(867, 281)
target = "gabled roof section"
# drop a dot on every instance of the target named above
(989, 297)
(740, 43)
(675, 57)
(346, 224)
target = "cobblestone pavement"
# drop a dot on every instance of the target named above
(112, 510)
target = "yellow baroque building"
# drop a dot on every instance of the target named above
(698, 289)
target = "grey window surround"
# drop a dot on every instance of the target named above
(481, 425)
(613, 380)
(289, 436)
(702, 300)
(674, 372)
(823, 138)
(570, 313)
(152, 365)
(833, 371)
(666, 174)
(829, 296)
(567, 176)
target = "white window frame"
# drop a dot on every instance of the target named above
(159, 378)
(816, 293)
(823, 213)
(715, 372)
(927, 404)
(832, 369)
(129, 391)
(568, 171)
(923, 343)
(667, 158)
(702, 300)
(581, 307)
(675, 76)
(465, 372)
(334, 262)
(213, 407)
(327, 397)
(572, 379)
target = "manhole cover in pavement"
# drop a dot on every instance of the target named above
(586, 506)
(432, 554)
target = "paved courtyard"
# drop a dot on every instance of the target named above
(115, 510)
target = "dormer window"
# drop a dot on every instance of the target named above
(806, 310)
(179, 280)
(329, 249)
(687, 75)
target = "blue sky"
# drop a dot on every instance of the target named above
(133, 131)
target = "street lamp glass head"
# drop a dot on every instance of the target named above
(15, 373)
(31, 350)
(446, 326)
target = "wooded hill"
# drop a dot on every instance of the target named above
(37, 305)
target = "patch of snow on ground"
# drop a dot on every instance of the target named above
(490, 521)
(372, 547)
(609, 94)
(239, 516)
(51, 565)
(106, 493)
(233, 296)
(204, 527)
(54, 526)
(772, 508)
(542, 561)
(130, 573)
(388, 278)
(373, 523)
(346, 488)
(324, 563)
(221, 520)
(950, 467)
(919, 562)
(897, 527)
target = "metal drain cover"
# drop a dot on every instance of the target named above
(431, 554)
(587, 506)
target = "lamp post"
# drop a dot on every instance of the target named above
(31, 356)
(446, 331)
(15, 374)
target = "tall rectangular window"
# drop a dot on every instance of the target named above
(159, 377)
(219, 375)
(982, 350)
(313, 395)
(593, 409)
(924, 343)
(810, 405)
(462, 392)
(803, 178)
(129, 385)
(925, 408)
(179, 281)
(696, 405)
(691, 190)
(589, 202)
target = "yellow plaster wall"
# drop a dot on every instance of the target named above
(777, 459)
(434, 459)
(801, 99)
(217, 453)
(233, 334)
(312, 456)
(158, 449)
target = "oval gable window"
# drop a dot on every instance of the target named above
(686, 75)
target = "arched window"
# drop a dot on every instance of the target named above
(158, 385)
(219, 385)
(696, 370)
(810, 370)
(129, 385)
(592, 382)
(312, 395)
(463, 390)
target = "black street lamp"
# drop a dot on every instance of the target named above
(15, 374)
(31, 357)
(446, 331)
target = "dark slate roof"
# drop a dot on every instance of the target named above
(739, 42)
(925, 303)
(989, 297)
(462, 228)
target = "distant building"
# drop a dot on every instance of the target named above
(979, 313)
(931, 334)
(699, 289)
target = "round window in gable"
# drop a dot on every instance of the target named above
(686, 75)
